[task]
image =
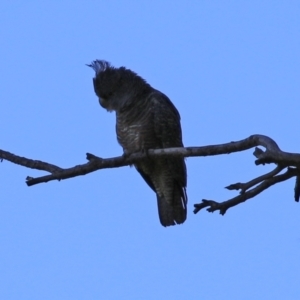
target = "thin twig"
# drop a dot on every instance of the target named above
(223, 206)
(29, 163)
(245, 186)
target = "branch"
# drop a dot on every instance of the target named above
(245, 186)
(28, 163)
(266, 183)
(272, 154)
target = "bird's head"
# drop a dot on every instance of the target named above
(115, 87)
(106, 83)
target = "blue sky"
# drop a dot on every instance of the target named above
(232, 69)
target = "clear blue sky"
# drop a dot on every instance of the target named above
(232, 69)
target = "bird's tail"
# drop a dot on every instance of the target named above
(173, 211)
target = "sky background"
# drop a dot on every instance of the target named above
(232, 69)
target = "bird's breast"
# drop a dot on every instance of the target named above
(130, 137)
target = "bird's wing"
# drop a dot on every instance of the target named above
(168, 132)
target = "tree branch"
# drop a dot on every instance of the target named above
(272, 154)
(266, 183)
(245, 186)
(28, 163)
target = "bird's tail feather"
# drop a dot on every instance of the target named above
(175, 212)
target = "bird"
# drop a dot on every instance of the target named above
(146, 119)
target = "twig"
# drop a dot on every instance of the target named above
(29, 163)
(245, 186)
(223, 206)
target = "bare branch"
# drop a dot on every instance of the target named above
(245, 186)
(28, 163)
(248, 190)
(93, 165)
(272, 154)
(297, 189)
(223, 206)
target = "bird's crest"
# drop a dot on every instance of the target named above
(99, 66)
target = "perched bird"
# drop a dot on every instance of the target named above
(146, 119)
